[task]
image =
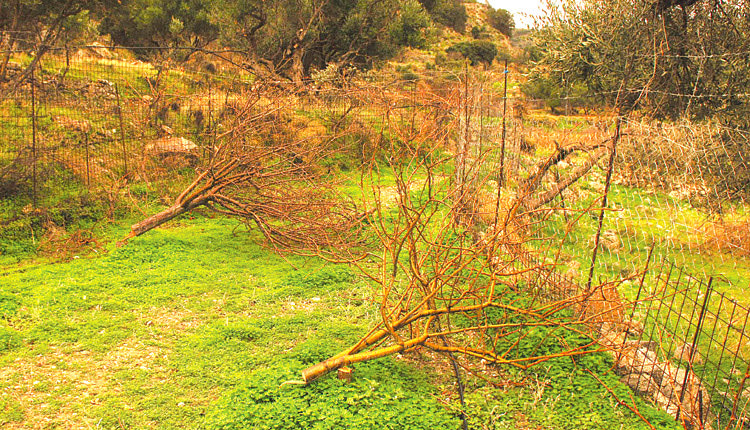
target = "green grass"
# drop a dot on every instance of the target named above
(640, 218)
(182, 316)
(194, 326)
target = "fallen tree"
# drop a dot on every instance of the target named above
(452, 282)
(267, 173)
(438, 288)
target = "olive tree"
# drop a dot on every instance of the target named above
(668, 58)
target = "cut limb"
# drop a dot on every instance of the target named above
(534, 180)
(192, 197)
(273, 187)
(314, 372)
(359, 352)
(166, 215)
(563, 184)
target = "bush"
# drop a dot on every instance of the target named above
(409, 28)
(501, 20)
(478, 51)
(479, 32)
(450, 13)
(555, 95)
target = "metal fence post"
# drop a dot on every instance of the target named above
(122, 130)
(33, 140)
(694, 345)
(465, 147)
(88, 159)
(501, 179)
(501, 175)
(607, 184)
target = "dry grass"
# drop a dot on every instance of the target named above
(63, 387)
(732, 237)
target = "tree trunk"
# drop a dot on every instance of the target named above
(8, 43)
(564, 183)
(298, 69)
(166, 215)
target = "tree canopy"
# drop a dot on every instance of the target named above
(288, 37)
(671, 58)
(501, 20)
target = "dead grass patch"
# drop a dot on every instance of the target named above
(63, 387)
(732, 237)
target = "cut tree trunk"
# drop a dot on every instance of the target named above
(164, 216)
(564, 183)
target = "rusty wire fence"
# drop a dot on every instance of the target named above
(676, 195)
(97, 117)
(689, 353)
(93, 117)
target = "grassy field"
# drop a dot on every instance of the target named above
(195, 326)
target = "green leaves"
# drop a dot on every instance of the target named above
(501, 20)
(477, 51)
(384, 394)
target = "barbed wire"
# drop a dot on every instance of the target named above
(695, 56)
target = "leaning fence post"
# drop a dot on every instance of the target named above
(694, 345)
(122, 130)
(635, 302)
(33, 140)
(738, 396)
(734, 367)
(464, 150)
(209, 125)
(501, 175)
(643, 279)
(607, 184)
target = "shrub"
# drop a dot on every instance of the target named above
(501, 20)
(478, 51)
(409, 28)
(478, 32)
(450, 13)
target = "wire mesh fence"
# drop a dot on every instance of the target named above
(691, 356)
(91, 118)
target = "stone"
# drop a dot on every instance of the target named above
(169, 145)
(640, 383)
(79, 125)
(96, 50)
(14, 66)
(635, 328)
(174, 152)
(683, 353)
(673, 389)
(642, 344)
